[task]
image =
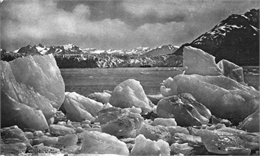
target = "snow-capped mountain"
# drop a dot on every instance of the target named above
(42, 49)
(28, 50)
(162, 50)
(235, 39)
(71, 56)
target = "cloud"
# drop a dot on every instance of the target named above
(197, 16)
(111, 24)
(32, 22)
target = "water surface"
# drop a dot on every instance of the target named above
(88, 80)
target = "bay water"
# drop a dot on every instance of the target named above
(89, 80)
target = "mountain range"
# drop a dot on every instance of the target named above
(72, 56)
(73, 49)
(235, 38)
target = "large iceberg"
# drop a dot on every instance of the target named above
(196, 61)
(224, 97)
(32, 89)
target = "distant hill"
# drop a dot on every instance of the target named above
(235, 39)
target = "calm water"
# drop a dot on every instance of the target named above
(88, 80)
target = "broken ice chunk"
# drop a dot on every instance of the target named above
(199, 62)
(32, 84)
(231, 70)
(187, 138)
(164, 122)
(13, 134)
(227, 141)
(161, 132)
(59, 130)
(119, 122)
(108, 114)
(185, 110)
(41, 149)
(196, 61)
(181, 148)
(102, 97)
(224, 97)
(18, 148)
(95, 142)
(16, 113)
(251, 123)
(46, 141)
(79, 108)
(42, 74)
(67, 140)
(128, 94)
(121, 127)
(145, 146)
(155, 98)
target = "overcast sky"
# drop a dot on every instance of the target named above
(112, 24)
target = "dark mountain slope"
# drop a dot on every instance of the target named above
(235, 39)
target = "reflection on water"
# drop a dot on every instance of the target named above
(88, 80)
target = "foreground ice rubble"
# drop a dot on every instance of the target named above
(101, 143)
(145, 146)
(224, 97)
(32, 89)
(228, 141)
(165, 133)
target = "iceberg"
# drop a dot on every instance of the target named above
(119, 122)
(185, 109)
(128, 94)
(196, 61)
(223, 96)
(79, 108)
(32, 89)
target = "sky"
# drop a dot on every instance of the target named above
(112, 24)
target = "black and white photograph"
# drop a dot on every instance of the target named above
(129, 77)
